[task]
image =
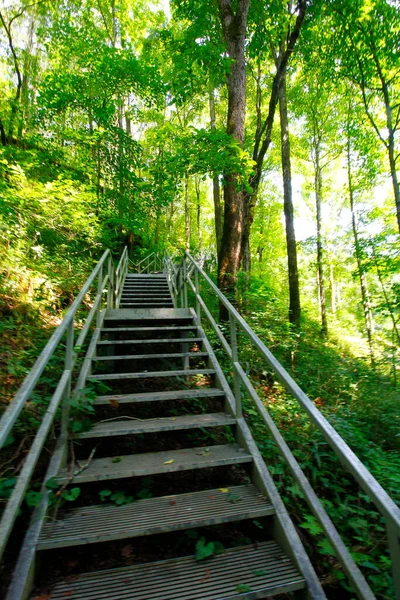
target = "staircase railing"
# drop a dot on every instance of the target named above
(151, 263)
(181, 280)
(104, 280)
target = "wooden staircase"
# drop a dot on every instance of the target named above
(172, 499)
(167, 394)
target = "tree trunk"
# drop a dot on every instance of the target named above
(234, 29)
(3, 136)
(333, 288)
(216, 187)
(294, 292)
(320, 264)
(187, 215)
(263, 135)
(26, 67)
(16, 100)
(368, 318)
(198, 211)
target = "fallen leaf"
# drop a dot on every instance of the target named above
(224, 490)
(68, 593)
(206, 576)
(211, 497)
(243, 587)
(114, 403)
(258, 572)
(169, 462)
(117, 459)
(172, 502)
(127, 551)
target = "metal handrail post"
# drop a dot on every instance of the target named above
(235, 359)
(197, 285)
(68, 366)
(185, 293)
(99, 294)
(110, 290)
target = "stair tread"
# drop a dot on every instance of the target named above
(160, 328)
(149, 341)
(148, 374)
(143, 356)
(92, 524)
(151, 463)
(134, 426)
(264, 568)
(176, 314)
(159, 396)
(143, 305)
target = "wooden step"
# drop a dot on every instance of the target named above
(151, 356)
(148, 374)
(135, 426)
(159, 396)
(149, 341)
(264, 569)
(145, 286)
(156, 314)
(145, 296)
(159, 328)
(144, 304)
(102, 523)
(153, 463)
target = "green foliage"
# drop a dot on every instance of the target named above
(206, 549)
(119, 497)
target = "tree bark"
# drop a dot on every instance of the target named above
(366, 303)
(216, 187)
(293, 275)
(234, 30)
(187, 215)
(320, 250)
(263, 136)
(17, 96)
(198, 211)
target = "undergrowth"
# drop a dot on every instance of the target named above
(359, 402)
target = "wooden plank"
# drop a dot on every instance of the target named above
(159, 396)
(146, 356)
(159, 328)
(264, 569)
(101, 523)
(150, 374)
(148, 341)
(118, 314)
(153, 463)
(128, 427)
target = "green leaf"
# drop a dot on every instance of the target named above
(104, 494)
(33, 498)
(71, 494)
(243, 588)
(311, 525)
(52, 484)
(204, 549)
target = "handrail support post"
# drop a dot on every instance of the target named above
(235, 359)
(197, 285)
(185, 291)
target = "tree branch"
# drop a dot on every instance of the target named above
(266, 130)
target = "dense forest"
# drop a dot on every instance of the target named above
(264, 138)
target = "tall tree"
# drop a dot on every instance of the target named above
(234, 27)
(368, 45)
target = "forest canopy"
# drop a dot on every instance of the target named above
(263, 137)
